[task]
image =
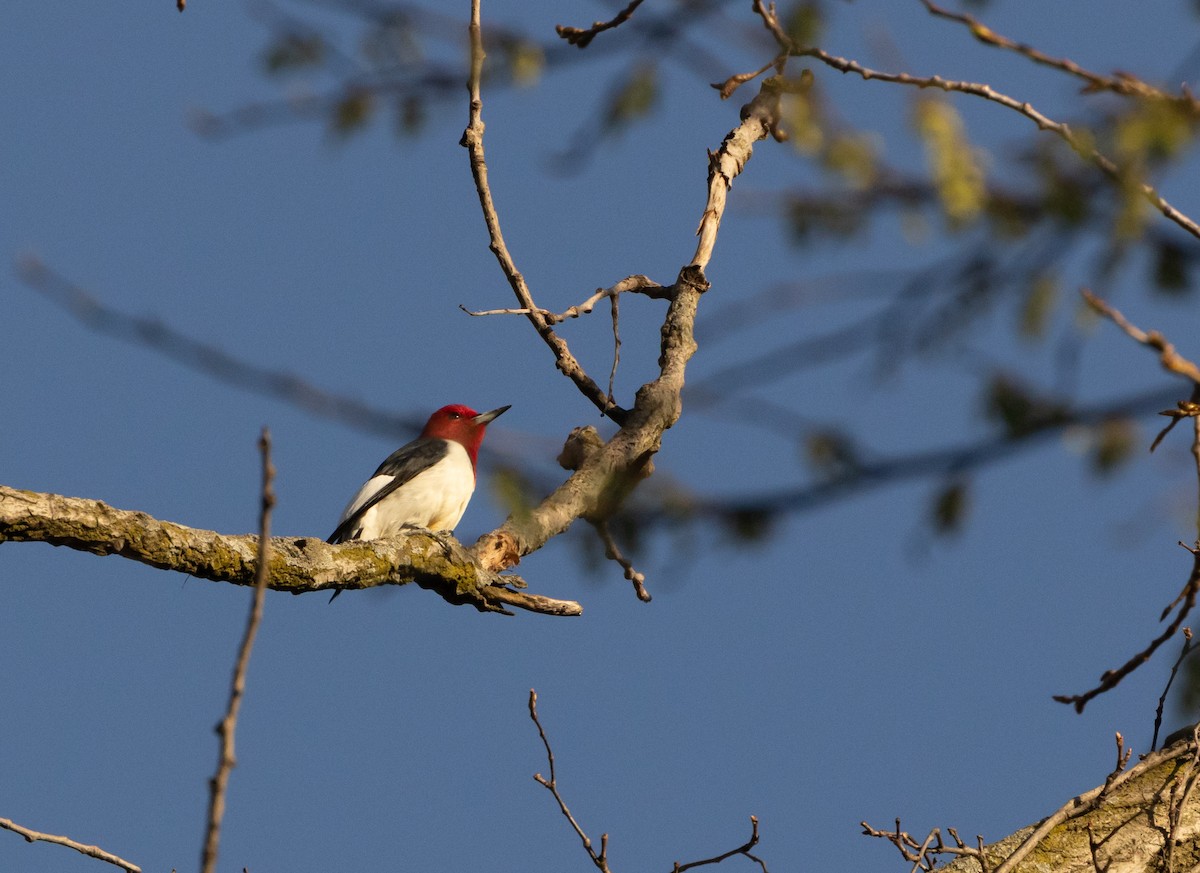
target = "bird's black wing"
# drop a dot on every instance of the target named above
(402, 465)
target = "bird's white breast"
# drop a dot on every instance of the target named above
(435, 498)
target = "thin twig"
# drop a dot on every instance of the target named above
(736, 81)
(1171, 360)
(227, 727)
(1162, 700)
(1195, 402)
(472, 140)
(638, 284)
(1079, 145)
(551, 785)
(740, 850)
(924, 855)
(1112, 678)
(32, 836)
(613, 552)
(1123, 83)
(582, 38)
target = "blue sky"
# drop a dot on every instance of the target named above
(850, 667)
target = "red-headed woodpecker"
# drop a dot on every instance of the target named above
(427, 483)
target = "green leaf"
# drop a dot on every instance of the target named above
(1038, 305)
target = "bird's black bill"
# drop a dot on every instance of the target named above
(485, 417)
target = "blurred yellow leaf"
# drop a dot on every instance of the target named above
(635, 99)
(853, 157)
(954, 164)
(352, 112)
(1113, 442)
(1040, 299)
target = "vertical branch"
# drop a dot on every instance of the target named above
(472, 141)
(228, 725)
(551, 785)
(1196, 456)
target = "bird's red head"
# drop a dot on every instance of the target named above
(462, 424)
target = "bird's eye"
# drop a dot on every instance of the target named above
(455, 415)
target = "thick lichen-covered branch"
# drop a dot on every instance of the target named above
(297, 564)
(1142, 819)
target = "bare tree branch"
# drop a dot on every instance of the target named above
(743, 850)
(638, 284)
(613, 552)
(1171, 360)
(297, 564)
(1081, 146)
(1186, 650)
(1122, 83)
(600, 859)
(924, 855)
(32, 836)
(227, 727)
(472, 140)
(607, 475)
(582, 38)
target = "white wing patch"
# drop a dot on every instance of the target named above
(434, 499)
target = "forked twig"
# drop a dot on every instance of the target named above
(1111, 678)
(228, 725)
(32, 836)
(1172, 362)
(472, 141)
(740, 850)
(924, 855)
(551, 785)
(638, 284)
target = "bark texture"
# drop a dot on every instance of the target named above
(297, 564)
(1144, 819)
